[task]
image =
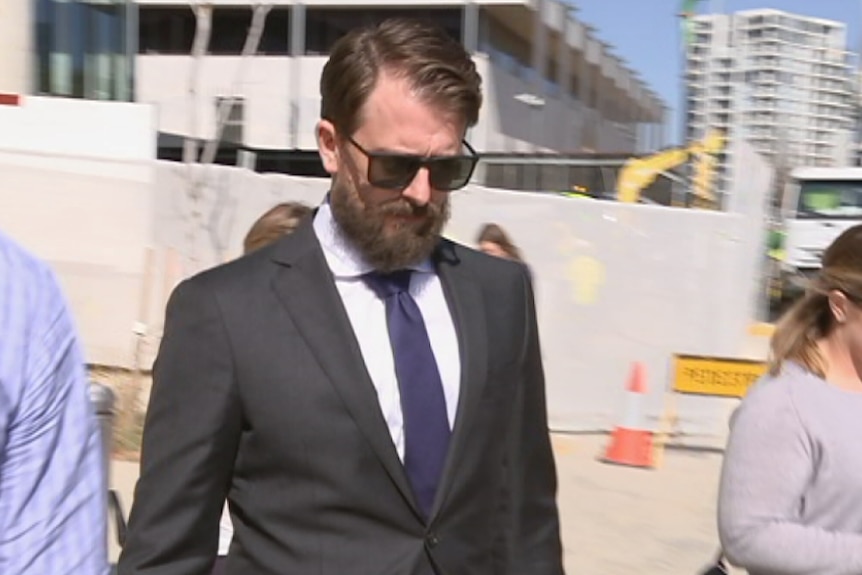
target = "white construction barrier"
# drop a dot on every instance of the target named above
(616, 283)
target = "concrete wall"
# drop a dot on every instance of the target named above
(79, 129)
(164, 82)
(616, 283)
(93, 221)
(76, 184)
(16, 46)
(619, 283)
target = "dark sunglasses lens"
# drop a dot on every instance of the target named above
(392, 172)
(451, 173)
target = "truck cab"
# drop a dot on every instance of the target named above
(820, 203)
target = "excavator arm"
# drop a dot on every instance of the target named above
(638, 173)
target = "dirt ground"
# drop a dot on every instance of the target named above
(615, 520)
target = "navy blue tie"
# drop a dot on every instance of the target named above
(423, 404)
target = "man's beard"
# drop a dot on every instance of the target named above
(388, 247)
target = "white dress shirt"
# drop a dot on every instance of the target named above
(367, 315)
(225, 532)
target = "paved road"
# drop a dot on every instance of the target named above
(616, 520)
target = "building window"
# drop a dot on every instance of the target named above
(323, 26)
(575, 86)
(83, 50)
(172, 31)
(275, 40)
(506, 48)
(165, 30)
(233, 126)
(552, 86)
(229, 29)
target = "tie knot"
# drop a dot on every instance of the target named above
(387, 285)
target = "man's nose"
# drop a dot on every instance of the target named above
(419, 190)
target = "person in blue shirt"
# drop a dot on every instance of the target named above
(53, 517)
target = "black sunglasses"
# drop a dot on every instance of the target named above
(395, 171)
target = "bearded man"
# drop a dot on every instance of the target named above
(368, 396)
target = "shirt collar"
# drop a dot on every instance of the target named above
(341, 255)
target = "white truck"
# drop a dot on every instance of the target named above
(819, 204)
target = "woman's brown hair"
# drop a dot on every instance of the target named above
(492, 233)
(810, 319)
(278, 221)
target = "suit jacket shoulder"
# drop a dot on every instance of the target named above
(240, 274)
(490, 272)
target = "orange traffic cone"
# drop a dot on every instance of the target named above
(631, 444)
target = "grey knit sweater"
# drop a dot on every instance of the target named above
(790, 500)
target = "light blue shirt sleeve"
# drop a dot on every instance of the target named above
(53, 517)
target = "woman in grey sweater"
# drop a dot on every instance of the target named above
(790, 500)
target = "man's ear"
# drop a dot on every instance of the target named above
(327, 146)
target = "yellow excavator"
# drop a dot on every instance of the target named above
(638, 173)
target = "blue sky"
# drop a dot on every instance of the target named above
(645, 33)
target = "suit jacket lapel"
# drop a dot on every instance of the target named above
(305, 286)
(467, 309)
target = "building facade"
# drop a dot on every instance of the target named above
(550, 84)
(70, 48)
(857, 108)
(16, 47)
(780, 80)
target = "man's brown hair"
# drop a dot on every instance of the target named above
(437, 66)
(278, 221)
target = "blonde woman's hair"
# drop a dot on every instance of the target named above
(810, 319)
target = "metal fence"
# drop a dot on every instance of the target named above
(594, 177)
(103, 401)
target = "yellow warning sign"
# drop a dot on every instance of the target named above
(717, 376)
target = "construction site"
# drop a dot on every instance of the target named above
(655, 286)
(625, 288)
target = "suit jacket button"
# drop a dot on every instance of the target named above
(432, 539)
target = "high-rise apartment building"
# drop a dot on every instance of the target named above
(780, 80)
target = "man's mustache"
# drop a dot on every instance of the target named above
(404, 208)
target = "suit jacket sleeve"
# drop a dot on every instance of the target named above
(189, 445)
(534, 543)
